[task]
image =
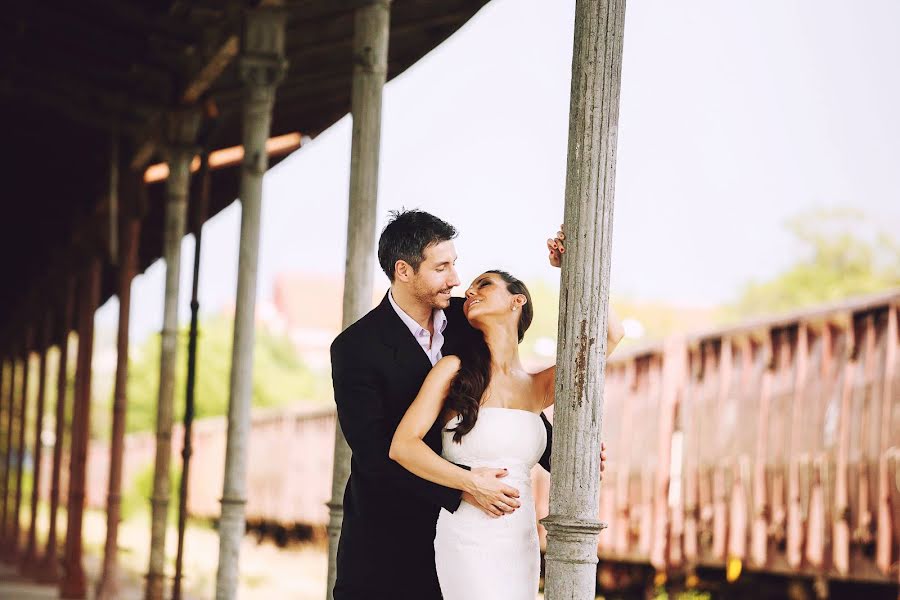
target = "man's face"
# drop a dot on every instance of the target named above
(436, 276)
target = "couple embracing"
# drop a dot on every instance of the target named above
(444, 425)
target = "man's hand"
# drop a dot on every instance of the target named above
(557, 248)
(488, 493)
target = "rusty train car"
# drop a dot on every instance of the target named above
(773, 447)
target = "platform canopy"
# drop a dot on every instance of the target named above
(74, 76)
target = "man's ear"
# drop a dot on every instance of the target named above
(403, 271)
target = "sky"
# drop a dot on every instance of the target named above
(734, 117)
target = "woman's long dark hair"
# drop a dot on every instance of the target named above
(474, 375)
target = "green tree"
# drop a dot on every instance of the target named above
(847, 255)
(279, 376)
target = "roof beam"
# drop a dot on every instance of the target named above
(210, 70)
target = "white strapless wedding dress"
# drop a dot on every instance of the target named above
(479, 557)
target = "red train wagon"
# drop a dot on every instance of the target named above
(773, 447)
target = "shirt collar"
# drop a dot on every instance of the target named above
(439, 319)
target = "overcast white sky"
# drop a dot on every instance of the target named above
(734, 117)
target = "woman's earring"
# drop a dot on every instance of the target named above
(514, 308)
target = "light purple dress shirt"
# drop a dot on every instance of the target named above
(432, 347)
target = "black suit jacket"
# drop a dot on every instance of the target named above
(389, 514)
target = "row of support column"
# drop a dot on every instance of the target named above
(572, 526)
(34, 561)
(262, 66)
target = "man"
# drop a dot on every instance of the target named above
(378, 365)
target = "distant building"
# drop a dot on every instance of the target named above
(308, 309)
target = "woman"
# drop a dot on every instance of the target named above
(489, 407)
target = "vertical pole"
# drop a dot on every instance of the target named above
(49, 571)
(262, 66)
(182, 132)
(370, 51)
(884, 540)
(4, 407)
(573, 527)
(7, 459)
(29, 563)
(108, 588)
(199, 218)
(74, 584)
(14, 550)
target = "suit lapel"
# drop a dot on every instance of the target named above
(408, 353)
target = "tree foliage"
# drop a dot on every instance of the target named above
(847, 255)
(279, 377)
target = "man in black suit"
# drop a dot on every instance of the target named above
(378, 365)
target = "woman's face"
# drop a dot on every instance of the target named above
(488, 297)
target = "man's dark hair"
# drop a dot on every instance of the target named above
(406, 236)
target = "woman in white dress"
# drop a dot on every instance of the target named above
(489, 407)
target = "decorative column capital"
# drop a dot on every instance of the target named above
(181, 127)
(262, 63)
(258, 71)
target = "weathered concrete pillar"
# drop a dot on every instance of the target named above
(7, 458)
(262, 66)
(14, 551)
(49, 569)
(572, 526)
(74, 584)
(108, 588)
(182, 133)
(370, 52)
(30, 560)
